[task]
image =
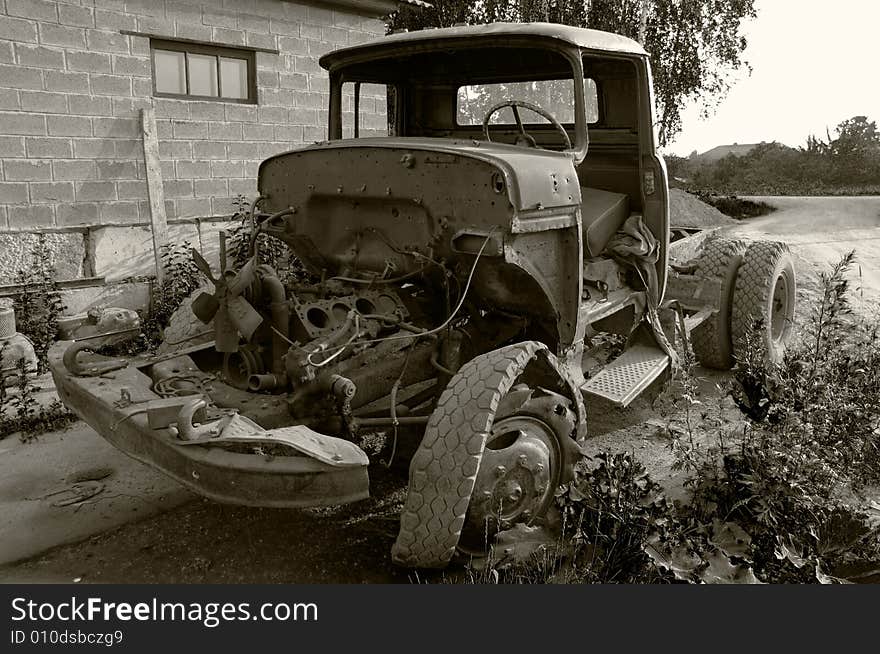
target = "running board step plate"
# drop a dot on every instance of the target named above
(623, 379)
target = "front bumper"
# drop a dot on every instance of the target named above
(208, 470)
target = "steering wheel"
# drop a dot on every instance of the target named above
(523, 138)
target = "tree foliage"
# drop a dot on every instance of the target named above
(695, 45)
(846, 162)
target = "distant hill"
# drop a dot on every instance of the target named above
(721, 151)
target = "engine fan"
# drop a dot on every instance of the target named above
(231, 313)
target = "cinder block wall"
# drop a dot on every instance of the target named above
(71, 89)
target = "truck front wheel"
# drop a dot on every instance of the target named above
(492, 456)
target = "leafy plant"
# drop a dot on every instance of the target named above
(30, 417)
(38, 304)
(271, 251)
(181, 277)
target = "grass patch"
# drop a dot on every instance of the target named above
(737, 207)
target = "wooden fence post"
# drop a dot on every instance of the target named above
(156, 192)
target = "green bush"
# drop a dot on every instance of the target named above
(38, 303)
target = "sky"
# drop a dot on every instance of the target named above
(813, 66)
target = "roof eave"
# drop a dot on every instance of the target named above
(375, 8)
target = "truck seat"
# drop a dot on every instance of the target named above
(603, 214)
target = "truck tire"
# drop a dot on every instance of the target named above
(765, 293)
(712, 341)
(446, 466)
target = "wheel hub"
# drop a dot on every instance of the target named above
(515, 480)
(779, 310)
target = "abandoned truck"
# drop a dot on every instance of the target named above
(460, 269)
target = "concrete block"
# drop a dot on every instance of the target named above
(61, 80)
(14, 122)
(224, 131)
(110, 84)
(114, 20)
(39, 56)
(207, 111)
(101, 41)
(69, 37)
(28, 170)
(136, 66)
(121, 252)
(73, 170)
(93, 149)
(12, 147)
(90, 105)
(13, 193)
(79, 16)
(39, 146)
(66, 253)
(90, 62)
(69, 126)
(207, 150)
(20, 30)
(52, 192)
(50, 103)
(95, 191)
(119, 212)
(228, 37)
(77, 213)
(128, 295)
(206, 188)
(30, 216)
(245, 113)
(21, 77)
(33, 9)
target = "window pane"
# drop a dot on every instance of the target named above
(202, 74)
(554, 96)
(373, 110)
(170, 73)
(592, 93)
(234, 78)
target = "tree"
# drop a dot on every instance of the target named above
(695, 45)
(855, 152)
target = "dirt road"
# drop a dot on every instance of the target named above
(820, 231)
(205, 542)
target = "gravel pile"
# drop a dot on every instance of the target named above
(686, 210)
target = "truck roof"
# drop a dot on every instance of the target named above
(443, 37)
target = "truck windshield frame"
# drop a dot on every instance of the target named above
(486, 61)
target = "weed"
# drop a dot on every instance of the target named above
(38, 304)
(271, 251)
(30, 417)
(181, 277)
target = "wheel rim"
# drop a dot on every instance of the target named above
(516, 480)
(780, 309)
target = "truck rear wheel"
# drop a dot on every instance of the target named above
(764, 297)
(513, 443)
(712, 340)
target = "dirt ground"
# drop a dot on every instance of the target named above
(203, 542)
